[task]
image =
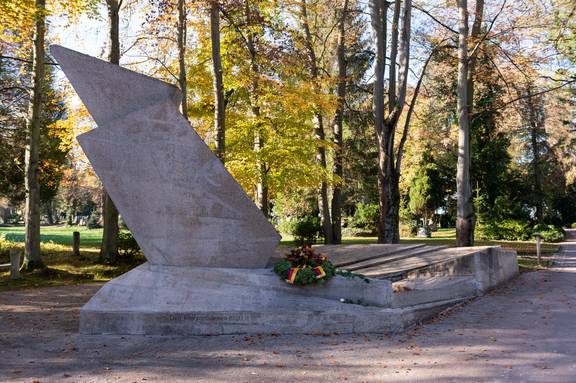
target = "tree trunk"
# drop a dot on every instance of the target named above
(393, 56)
(464, 208)
(536, 168)
(182, 56)
(388, 177)
(475, 35)
(338, 127)
(378, 21)
(389, 194)
(323, 202)
(32, 256)
(262, 184)
(109, 247)
(219, 106)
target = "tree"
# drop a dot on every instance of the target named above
(32, 257)
(426, 192)
(109, 247)
(387, 121)
(323, 202)
(464, 208)
(337, 127)
(489, 141)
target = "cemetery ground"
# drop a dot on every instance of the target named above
(522, 332)
(63, 269)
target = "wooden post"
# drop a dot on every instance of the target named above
(76, 244)
(14, 263)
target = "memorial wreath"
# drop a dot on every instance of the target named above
(303, 266)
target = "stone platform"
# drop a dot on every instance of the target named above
(196, 301)
(168, 300)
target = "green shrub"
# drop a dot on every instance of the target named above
(573, 226)
(516, 230)
(508, 229)
(305, 229)
(549, 233)
(127, 245)
(366, 217)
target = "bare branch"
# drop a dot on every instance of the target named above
(24, 60)
(526, 96)
(419, 8)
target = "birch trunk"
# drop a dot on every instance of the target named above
(32, 256)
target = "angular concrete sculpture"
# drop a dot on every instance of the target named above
(182, 206)
(206, 243)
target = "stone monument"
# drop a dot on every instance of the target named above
(208, 245)
(206, 242)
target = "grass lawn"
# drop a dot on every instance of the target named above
(63, 269)
(58, 234)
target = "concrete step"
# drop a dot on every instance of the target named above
(352, 261)
(398, 269)
(419, 313)
(389, 258)
(341, 255)
(412, 292)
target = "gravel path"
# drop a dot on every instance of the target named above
(524, 332)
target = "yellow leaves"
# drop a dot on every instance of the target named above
(17, 20)
(15, 14)
(16, 24)
(73, 8)
(64, 131)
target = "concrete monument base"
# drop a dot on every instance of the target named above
(164, 300)
(170, 300)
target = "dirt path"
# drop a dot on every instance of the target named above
(525, 332)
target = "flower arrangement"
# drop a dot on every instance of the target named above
(303, 266)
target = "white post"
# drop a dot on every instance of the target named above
(538, 245)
